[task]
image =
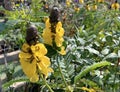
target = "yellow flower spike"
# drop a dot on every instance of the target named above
(81, 1)
(95, 7)
(33, 58)
(68, 3)
(87, 7)
(49, 36)
(115, 6)
(77, 9)
(100, 1)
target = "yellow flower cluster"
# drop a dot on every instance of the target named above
(87, 89)
(33, 61)
(100, 1)
(87, 7)
(58, 36)
(115, 6)
(77, 9)
(68, 2)
(95, 7)
(81, 1)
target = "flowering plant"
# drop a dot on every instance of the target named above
(32, 57)
(33, 60)
(54, 32)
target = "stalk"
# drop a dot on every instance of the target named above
(61, 72)
(46, 83)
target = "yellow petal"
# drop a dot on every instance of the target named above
(59, 25)
(39, 49)
(47, 23)
(44, 64)
(25, 47)
(29, 69)
(24, 55)
(88, 89)
(88, 7)
(34, 78)
(59, 29)
(50, 70)
(81, 1)
(94, 7)
(46, 61)
(43, 68)
(85, 88)
(62, 52)
(115, 6)
(60, 32)
(45, 19)
(47, 36)
(59, 41)
(100, 1)
(68, 3)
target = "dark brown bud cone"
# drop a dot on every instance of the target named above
(32, 35)
(54, 15)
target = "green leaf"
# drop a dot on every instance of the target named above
(51, 50)
(7, 84)
(89, 68)
(2, 26)
(105, 51)
(11, 23)
(92, 50)
(111, 55)
(109, 38)
(89, 82)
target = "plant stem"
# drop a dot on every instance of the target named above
(46, 83)
(61, 73)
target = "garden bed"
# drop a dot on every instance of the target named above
(92, 42)
(12, 56)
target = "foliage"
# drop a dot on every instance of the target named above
(19, 19)
(92, 36)
(90, 68)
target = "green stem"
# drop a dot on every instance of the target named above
(61, 73)
(46, 83)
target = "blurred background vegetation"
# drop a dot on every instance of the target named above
(92, 35)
